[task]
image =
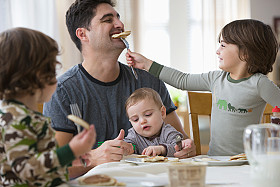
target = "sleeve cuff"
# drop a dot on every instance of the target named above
(155, 69)
(65, 155)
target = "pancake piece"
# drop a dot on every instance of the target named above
(241, 156)
(78, 120)
(98, 180)
(155, 159)
(142, 156)
(122, 34)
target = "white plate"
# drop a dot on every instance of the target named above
(139, 161)
(223, 161)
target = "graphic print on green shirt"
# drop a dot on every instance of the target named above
(224, 105)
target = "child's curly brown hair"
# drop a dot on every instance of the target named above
(27, 60)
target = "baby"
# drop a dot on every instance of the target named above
(150, 135)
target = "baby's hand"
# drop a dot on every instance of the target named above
(154, 150)
(138, 61)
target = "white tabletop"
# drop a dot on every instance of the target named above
(156, 174)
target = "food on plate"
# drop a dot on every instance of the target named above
(99, 180)
(147, 158)
(174, 160)
(155, 159)
(241, 156)
(122, 34)
(142, 156)
(79, 121)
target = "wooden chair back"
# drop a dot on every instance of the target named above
(267, 114)
(199, 103)
(40, 108)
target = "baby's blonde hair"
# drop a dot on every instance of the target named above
(141, 94)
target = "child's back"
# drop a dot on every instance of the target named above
(29, 154)
(26, 133)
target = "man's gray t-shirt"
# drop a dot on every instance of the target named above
(101, 104)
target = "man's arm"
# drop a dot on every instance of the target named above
(109, 151)
(62, 139)
(173, 119)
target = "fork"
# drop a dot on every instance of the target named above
(178, 140)
(76, 111)
(127, 47)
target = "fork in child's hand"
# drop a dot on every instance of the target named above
(127, 47)
(76, 111)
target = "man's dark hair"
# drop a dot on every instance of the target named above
(80, 14)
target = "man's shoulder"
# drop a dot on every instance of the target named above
(69, 74)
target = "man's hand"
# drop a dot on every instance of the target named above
(111, 150)
(188, 149)
(154, 150)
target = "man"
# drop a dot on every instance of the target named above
(100, 85)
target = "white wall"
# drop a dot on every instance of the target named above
(265, 11)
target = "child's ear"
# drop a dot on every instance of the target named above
(81, 34)
(243, 55)
(163, 111)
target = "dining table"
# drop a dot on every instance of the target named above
(132, 173)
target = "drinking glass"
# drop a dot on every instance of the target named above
(262, 148)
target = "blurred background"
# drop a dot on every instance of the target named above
(177, 33)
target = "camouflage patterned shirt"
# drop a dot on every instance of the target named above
(29, 154)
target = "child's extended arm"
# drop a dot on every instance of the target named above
(171, 76)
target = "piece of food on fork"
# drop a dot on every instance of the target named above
(79, 121)
(122, 34)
